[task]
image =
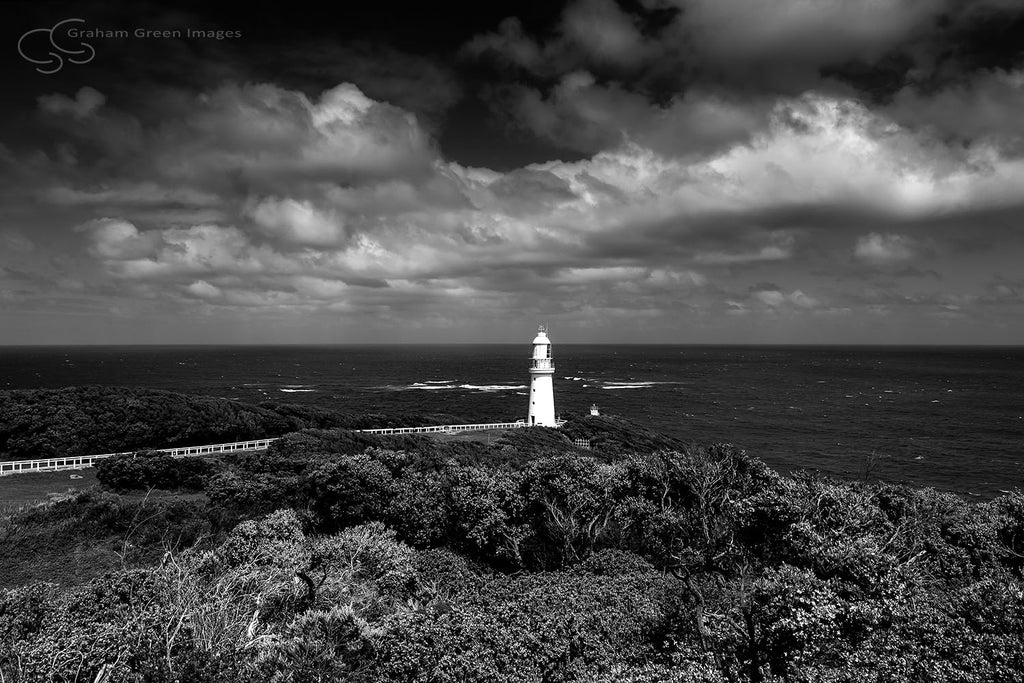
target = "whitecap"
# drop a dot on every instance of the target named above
(492, 387)
(297, 391)
(634, 383)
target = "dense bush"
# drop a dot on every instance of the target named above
(364, 559)
(44, 423)
(148, 470)
(85, 420)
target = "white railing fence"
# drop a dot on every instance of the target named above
(447, 429)
(83, 461)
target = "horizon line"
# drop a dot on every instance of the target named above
(509, 343)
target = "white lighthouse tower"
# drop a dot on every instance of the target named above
(542, 395)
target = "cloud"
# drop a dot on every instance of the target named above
(884, 250)
(699, 73)
(116, 239)
(14, 241)
(340, 205)
(789, 41)
(509, 45)
(774, 298)
(985, 108)
(605, 33)
(265, 135)
(780, 249)
(255, 136)
(414, 82)
(298, 222)
(784, 47)
(531, 189)
(203, 290)
(147, 193)
(86, 101)
(582, 115)
(173, 252)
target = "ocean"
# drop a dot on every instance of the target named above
(952, 418)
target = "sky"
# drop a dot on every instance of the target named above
(670, 171)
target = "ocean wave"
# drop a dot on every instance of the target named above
(425, 386)
(492, 387)
(429, 382)
(633, 385)
(296, 391)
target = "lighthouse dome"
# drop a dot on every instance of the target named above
(542, 338)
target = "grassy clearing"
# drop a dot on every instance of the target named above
(25, 489)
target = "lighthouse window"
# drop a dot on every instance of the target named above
(548, 348)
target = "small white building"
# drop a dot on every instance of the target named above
(542, 394)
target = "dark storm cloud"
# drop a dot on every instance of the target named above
(703, 75)
(787, 46)
(778, 47)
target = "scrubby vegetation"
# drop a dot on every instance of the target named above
(154, 470)
(46, 423)
(342, 557)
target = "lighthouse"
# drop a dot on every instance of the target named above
(542, 395)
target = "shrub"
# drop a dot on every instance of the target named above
(555, 627)
(141, 471)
